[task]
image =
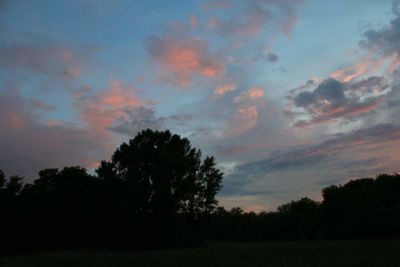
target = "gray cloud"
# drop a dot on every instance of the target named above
(136, 120)
(271, 57)
(333, 99)
(140, 118)
(329, 90)
(385, 41)
(371, 85)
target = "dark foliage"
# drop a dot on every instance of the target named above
(151, 194)
(362, 208)
(157, 191)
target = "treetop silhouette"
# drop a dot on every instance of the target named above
(165, 174)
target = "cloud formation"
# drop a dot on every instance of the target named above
(332, 99)
(385, 42)
(101, 110)
(246, 114)
(184, 58)
(223, 89)
(137, 119)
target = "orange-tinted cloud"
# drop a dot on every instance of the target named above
(102, 110)
(185, 58)
(244, 119)
(347, 74)
(221, 90)
(363, 67)
(247, 111)
(251, 94)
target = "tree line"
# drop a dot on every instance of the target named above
(150, 194)
(158, 191)
(361, 208)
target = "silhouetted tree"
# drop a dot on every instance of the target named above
(363, 208)
(302, 218)
(2, 179)
(106, 171)
(14, 185)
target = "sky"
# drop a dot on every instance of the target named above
(290, 96)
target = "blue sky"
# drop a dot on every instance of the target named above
(289, 96)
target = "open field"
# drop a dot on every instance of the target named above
(283, 254)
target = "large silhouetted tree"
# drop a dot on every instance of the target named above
(165, 175)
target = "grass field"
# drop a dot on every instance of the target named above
(364, 253)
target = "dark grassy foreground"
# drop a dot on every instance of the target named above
(319, 253)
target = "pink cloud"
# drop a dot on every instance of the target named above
(245, 119)
(247, 111)
(347, 74)
(185, 58)
(345, 112)
(361, 68)
(100, 111)
(256, 92)
(251, 94)
(223, 89)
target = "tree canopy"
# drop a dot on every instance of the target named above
(165, 174)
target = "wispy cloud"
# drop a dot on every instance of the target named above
(45, 58)
(249, 18)
(328, 153)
